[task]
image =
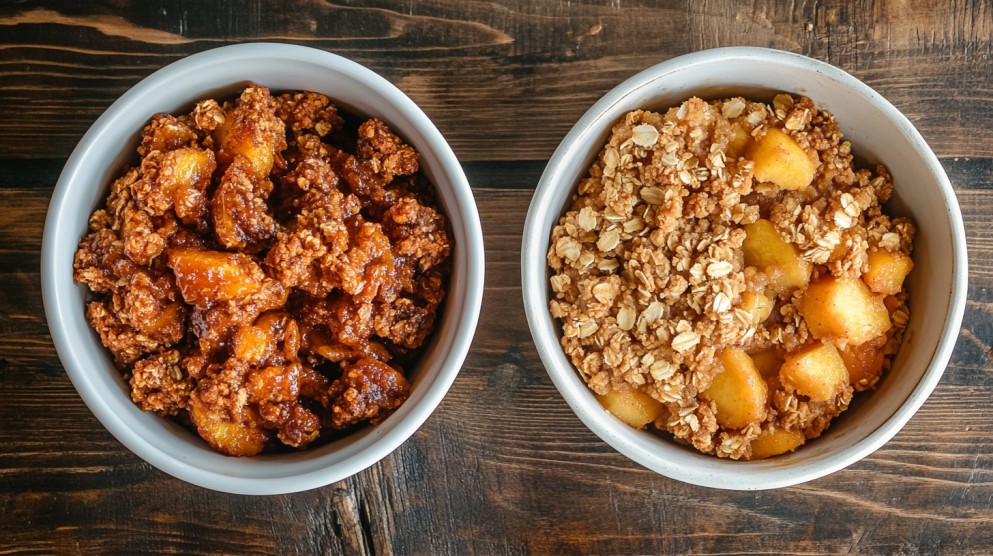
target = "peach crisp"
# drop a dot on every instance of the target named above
(267, 271)
(726, 275)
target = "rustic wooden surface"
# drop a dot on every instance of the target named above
(503, 466)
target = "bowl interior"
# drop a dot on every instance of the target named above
(109, 145)
(878, 135)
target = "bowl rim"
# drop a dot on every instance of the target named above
(473, 252)
(565, 378)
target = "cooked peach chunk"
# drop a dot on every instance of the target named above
(756, 305)
(258, 344)
(739, 391)
(234, 439)
(166, 326)
(887, 271)
(779, 160)
(274, 384)
(864, 362)
(765, 249)
(206, 278)
(252, 130)
(844, 310)
(260, 156)
(632, 406)
(192, 167)
(767, 362)
(780, 441)
(736, 147)
(816, 371)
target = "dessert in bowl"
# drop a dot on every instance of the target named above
(106, 150)
(715, 396)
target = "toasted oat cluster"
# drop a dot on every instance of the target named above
(264, 273)
(727, 275)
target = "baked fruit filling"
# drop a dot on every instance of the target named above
(268, 271)
(726, 275)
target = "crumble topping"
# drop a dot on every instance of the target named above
(648, 265)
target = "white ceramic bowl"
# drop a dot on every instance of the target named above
(98, 159)
(879, 134)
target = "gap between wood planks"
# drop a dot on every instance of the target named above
(42, 173)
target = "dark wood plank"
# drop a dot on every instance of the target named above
(503, 467)
(503, 80)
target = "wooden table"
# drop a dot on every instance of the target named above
(503, 467)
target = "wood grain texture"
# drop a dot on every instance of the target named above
(484, 70)
(503, 467)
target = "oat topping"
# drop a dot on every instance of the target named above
(651, 282)
(258, 282)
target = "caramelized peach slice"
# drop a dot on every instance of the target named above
(233, 439)
(258, 344)
(779, 160)
(632, 406)
(780, 441)
(167, 326)
(274, 384)
(206, 278)
(887, 271)
(756, 305)
(192, 167)
(816, 371)
(767, 362)
(336, 351)
(252, 130)
(193, 170)
(765, 249)
(864, 362)
(844, 310)
(739, 391)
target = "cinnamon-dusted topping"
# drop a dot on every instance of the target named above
(267, 285)
(384, 152)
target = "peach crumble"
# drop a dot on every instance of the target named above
(267, 271)
(727, 275)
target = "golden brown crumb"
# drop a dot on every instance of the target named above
(367, 389)
(208, 115)
(309, 111)
(158, 384)
(165, 133)
(385, 153)
(124, 342)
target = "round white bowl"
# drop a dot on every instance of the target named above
(879, 133)
(109, 145)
